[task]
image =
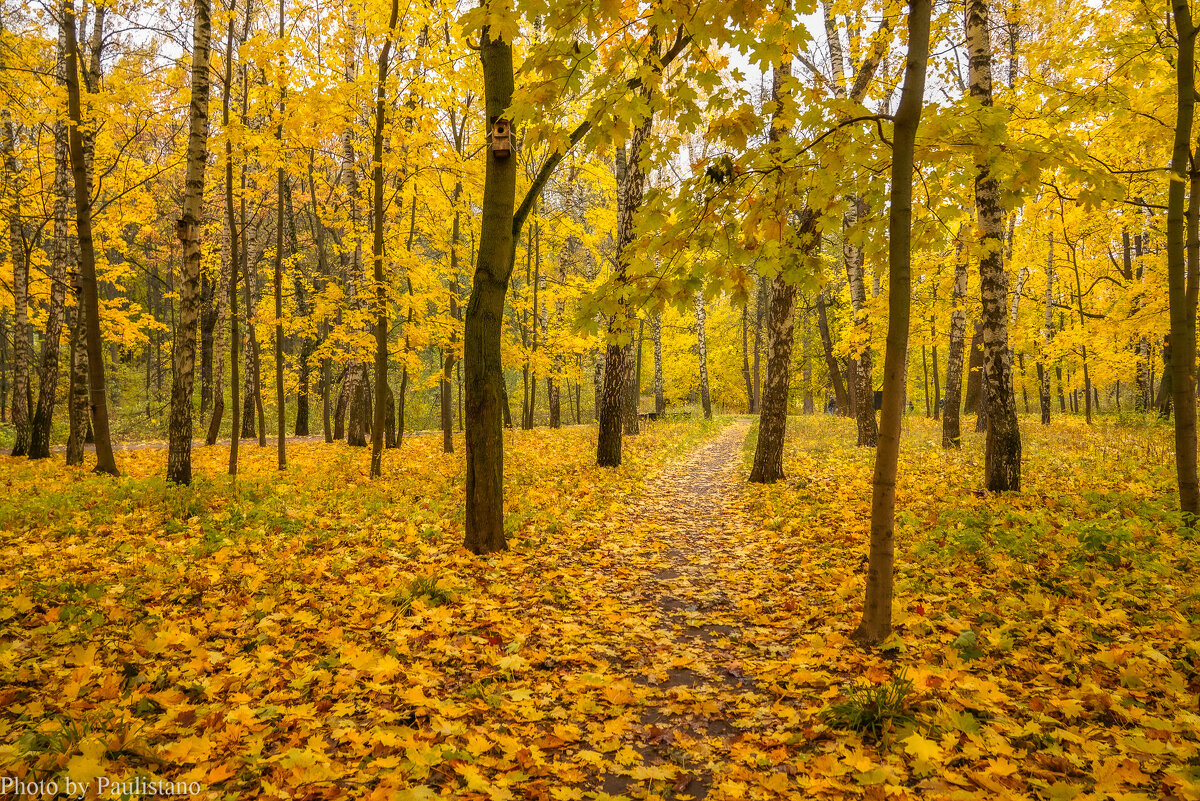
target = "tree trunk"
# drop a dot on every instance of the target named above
(974, 390)
(876, 623)
(772, 426)
(553, 398)
(925, 381)
(618, 367)
(218, 345)
(253, 404)
(105, 462)
(22, 332)
(249, 430)
(746, 359)
(359, 420)
(4, 365)
(629, 408)
(933, 355)
(660, 403)
(393, 416)
(831, 362)
(77, 393)
(702, 353)
(43, 416)
(448, 356)
(445, 402)
(303, 369)
(300, 427)
(339, 413)
(188, 228)
(1003, 444)
(235, 258)
(952, 413)
(1183, 259)
(508, 423)
(280, 405)
(208, 322)
(864, 388)
(981, 408)
(772, 420)
(383, 402)
(1087, 379)
(359, 416)
(808, 395)
(1062, 401)
(326, 276)
(484, 381)
(553, 394)
(760, 306)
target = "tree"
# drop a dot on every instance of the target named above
(618, 366)
(43, 416)
(876, 623)
(22, 332)
(382, 402)
(1043, 367)
(280, 406)
(179, 450)
(702, 355)
(502, 219)
(1003, 445)
(772, 420)
(952, 414)
(1183, 263)
(235, 408)
(481, 337)
(105, 462)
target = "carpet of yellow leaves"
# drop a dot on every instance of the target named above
(1053, 636)
(312, 634)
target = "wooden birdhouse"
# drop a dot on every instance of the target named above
(501, 138)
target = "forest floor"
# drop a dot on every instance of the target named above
(659, 630)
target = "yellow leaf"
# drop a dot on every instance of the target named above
(89, 764)
(922, 749)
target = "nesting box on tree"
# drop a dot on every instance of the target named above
(501, 138)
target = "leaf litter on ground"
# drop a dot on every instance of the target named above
(657, 631)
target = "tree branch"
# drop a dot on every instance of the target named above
(682, 40)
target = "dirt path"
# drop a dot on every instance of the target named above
(686, 579)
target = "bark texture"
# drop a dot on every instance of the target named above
(876, 623)
(702, 355)
(952, 413)
(105, 461)
(1047, 335)
(22, 332)
(831, 362)
(618, 362)
(1183, 258)
(280, 405)
(77, 392)
(484, 380)
(383, 402)
(660, 403)
(772, 420)
(1003, 445)
(179, 448)
(43, 416)
(863, 371)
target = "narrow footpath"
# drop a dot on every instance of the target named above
(693, 564)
